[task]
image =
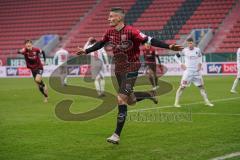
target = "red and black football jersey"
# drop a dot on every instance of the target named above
(125, 44)
(32, 58)
(149, 54)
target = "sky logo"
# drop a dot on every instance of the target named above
(214, 68)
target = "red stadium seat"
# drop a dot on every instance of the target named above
(20, 20)
(97, 23)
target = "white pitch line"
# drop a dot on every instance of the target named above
(186, 104)
(231, 155)
(218, 114)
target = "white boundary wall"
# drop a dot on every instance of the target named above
(173, 69)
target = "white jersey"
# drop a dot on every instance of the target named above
(98, 55)
(238, 58)
(61, 56)
(192, 58)
(99, 61)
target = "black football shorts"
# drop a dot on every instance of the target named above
(36, 71)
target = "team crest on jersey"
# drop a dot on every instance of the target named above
(123, 37)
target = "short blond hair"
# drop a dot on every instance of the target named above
(118, 10)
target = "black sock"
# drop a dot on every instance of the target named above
(156, 80)
(151, 81)
(41, 88)
(142, 95)
(122, 114)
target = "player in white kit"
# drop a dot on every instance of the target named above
(192, 71)
(62, 56)
(99, 65)
(235, 83)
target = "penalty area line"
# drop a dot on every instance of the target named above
(186, 104)
(227, 156)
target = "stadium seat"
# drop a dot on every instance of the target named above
(97, 23)
(20, 20)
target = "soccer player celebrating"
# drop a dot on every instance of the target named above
(192, 68)
(235, 83)
(125, 41)
(32, 58)
(150, 56)
(62, 56)
(98, 61)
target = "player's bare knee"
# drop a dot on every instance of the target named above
(122, 99)
(38, 79)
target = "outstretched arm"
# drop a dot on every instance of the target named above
(200, 60)
(21, 51)
(158, 59)
(177, 58)
(44, 55)
(55, 57)
(86, 45)
(157, 43)
(95, 47)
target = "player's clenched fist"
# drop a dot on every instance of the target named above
(80, 51)
(21, 50)
(175, 47)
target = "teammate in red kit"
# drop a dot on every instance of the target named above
(150, 56)
(33, 61)
(125, 41)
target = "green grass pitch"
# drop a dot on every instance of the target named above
(29, 128)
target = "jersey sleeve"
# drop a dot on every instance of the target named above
(177, 57)
(139, 36)
(55, 56)
(200, 55)
(200, 52)
(38, 50)
(22, 51)
(66, 52)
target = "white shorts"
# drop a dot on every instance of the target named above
(189, 77)
(238, 73)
